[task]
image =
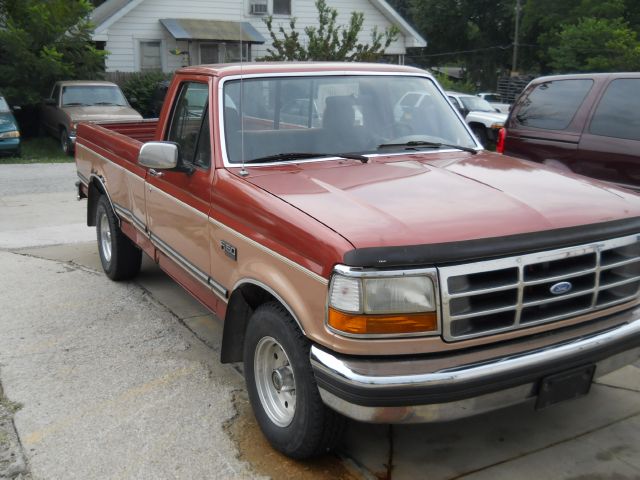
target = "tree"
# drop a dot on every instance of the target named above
(328, 41)
(474, 34)
(596, 45)
(548, 25)
(41, 42)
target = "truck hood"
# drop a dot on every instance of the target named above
(503, 107)
(486, 117)
(436, 198)
(99, 113)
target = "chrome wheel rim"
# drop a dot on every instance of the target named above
(275, 381)
(105, 237)
(64, 141)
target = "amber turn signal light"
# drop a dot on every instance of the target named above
(364, 324)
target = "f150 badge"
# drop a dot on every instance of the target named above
(561, 288)
(229, 250)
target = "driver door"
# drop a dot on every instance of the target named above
(178, 201)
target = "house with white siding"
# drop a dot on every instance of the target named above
(168, 34)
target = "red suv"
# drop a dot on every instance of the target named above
(589, 124)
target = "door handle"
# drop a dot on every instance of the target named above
(155, 173)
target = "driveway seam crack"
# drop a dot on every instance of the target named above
(617, 387)
(551, 445)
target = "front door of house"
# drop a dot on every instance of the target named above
(209, 53)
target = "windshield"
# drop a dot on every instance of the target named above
(335, 114)
(4, 107)
(92, 95)
(476, 104)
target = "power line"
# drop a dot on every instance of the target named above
(475, 50)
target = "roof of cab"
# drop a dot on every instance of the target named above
(252, 68)
(85, 82)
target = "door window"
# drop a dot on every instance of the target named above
(618, 113)
(552, 105)
(190, 124)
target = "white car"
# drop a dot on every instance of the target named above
(483, 119)
(495, 100)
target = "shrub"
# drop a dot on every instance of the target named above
(139, 88)
(462, 86)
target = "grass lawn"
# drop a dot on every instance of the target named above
(39, 150)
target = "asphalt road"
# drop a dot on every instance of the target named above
(122, 380)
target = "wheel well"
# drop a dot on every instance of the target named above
(477, 125)
(95, 191)
(243, 302)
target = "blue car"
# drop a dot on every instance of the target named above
(9, 132)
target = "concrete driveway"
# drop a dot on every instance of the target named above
(121, 380)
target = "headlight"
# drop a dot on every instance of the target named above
(11, 134)
(385, 305)
(74, 126)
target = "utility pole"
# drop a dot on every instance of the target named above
(514, 63)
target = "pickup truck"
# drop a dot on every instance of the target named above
(75, 101)
(366, 266)
(484, 120)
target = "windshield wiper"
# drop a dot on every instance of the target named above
(414, 145)
(303, 155)
(108, 103)
(75, 104)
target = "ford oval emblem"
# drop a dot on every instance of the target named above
(561, 288)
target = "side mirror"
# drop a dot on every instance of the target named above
(16, 108)
(133, 100)
(159, 155)
(50, 102)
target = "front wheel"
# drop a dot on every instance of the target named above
(119, 256)
(282, 388)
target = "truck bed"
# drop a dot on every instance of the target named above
(143, 130)
(110, 151)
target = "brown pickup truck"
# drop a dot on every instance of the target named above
(366, 265)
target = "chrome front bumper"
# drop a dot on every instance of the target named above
(363, 389)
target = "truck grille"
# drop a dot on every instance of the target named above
(504, 294)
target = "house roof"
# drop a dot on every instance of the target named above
(413, 38)
(192, 29)
(106, 10)
(113, 10)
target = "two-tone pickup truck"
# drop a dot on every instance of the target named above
(367, 265)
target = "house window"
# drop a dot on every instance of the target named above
(282, 7)
(150, 56)
(223, 52)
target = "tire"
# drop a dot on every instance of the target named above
(276, 353)
(65, 142)
(120, 257)
(481, 134)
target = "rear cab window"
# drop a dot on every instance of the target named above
(552, 105)
(618, 113)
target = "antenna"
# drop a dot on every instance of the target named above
(243, 171)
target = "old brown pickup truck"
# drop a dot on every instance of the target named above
(366, 265)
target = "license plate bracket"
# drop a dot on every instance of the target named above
(565, 385)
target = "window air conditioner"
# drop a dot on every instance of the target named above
(259, 8)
